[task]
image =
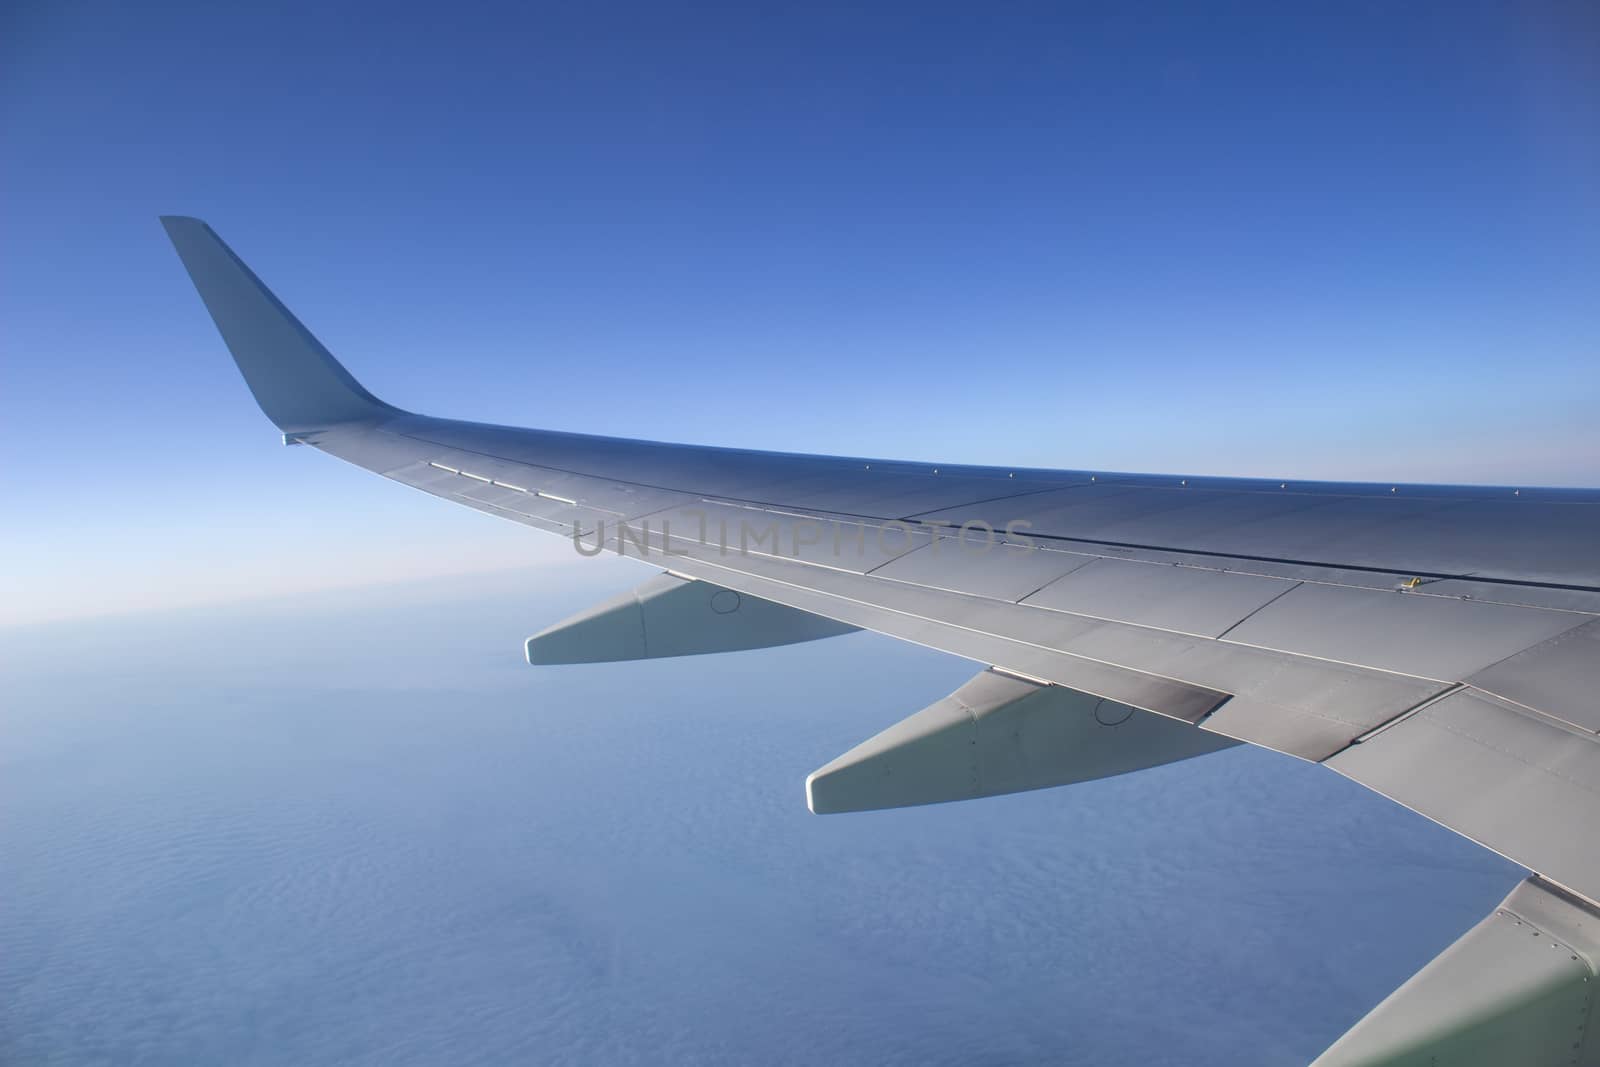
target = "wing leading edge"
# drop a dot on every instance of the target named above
(1431, 642)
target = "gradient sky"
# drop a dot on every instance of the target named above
(1238, 241)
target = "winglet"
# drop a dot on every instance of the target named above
(299, 385)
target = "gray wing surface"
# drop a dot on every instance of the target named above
(1438, 644)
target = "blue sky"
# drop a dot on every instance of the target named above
(352, 826)
(1237, 241)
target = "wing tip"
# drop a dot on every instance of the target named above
(295, 380)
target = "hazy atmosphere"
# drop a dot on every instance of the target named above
(357, 828)
(276, 785)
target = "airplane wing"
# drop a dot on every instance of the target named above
(1438, 644)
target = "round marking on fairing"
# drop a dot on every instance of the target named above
(725, 602)
(1107, 713)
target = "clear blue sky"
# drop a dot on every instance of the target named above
(1236, 241)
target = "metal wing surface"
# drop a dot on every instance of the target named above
(1438, 644)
